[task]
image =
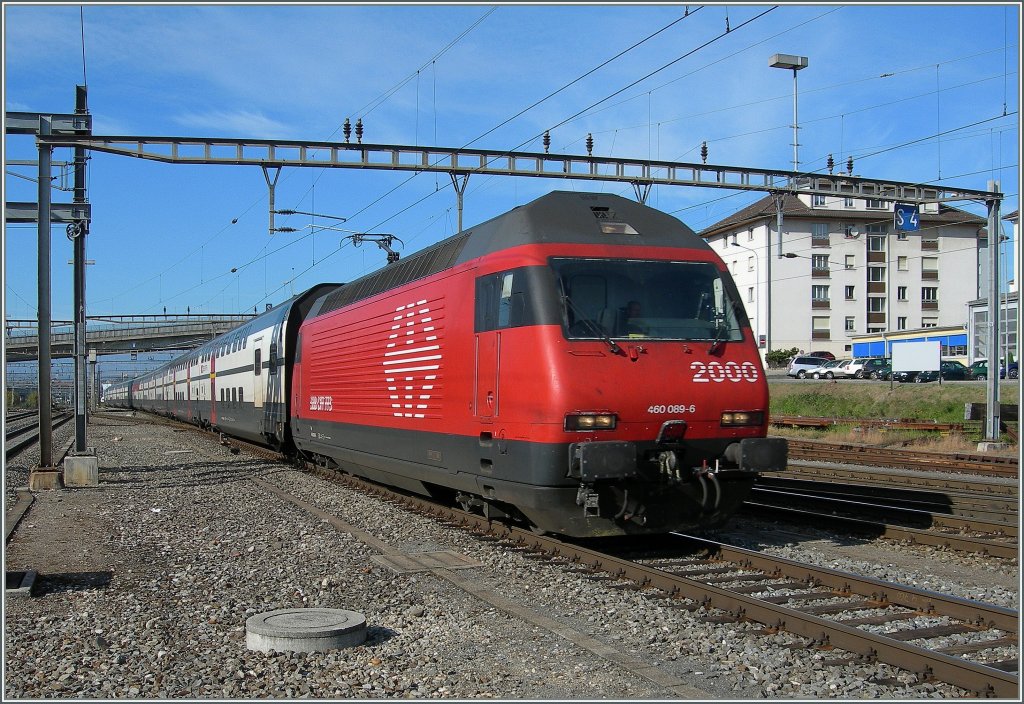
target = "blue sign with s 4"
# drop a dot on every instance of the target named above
(906, 217)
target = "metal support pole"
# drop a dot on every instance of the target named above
(271, 229)
(779, 200)
(94, 388)
(459, 191)
(78, 231)
(796, 159)
(992, 392)
(45, 414)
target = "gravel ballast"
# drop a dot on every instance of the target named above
(146, 583)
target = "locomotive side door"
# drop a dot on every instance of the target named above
(493, 313)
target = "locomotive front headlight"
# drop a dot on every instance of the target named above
(590, 421)
(740, 418)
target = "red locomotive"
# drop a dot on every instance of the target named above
(582, 364)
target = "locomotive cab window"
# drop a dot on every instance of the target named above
(662, 300)
(515, 298)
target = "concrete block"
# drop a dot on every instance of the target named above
(44, 479)
(81, 471)
(991, 446)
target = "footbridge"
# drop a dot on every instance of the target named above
(119, 334)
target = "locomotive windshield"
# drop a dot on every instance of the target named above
(663, 300)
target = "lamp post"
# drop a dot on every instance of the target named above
(796, 63)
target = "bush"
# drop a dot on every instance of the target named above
(779, 358)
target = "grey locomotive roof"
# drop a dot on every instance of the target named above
(565, 216)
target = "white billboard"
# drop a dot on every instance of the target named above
(916, 356)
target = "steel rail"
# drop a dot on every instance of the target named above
(981, 486)
(985, 546)
(856, 454)
(13, 450)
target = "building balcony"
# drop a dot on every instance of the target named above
(929, 275)
(929, 305)
(821, 335)
(820, 273)
(876, 287)
(819, 304)
(821, 242)
(876, 318)
(929, 245)
(876, 258)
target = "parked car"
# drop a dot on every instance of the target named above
(904, 377)
(822, 353)
(883, 373)
(799, 366)
(856, 367)
(869, 366)
(949, 370)
(979, 370)
(830, 370)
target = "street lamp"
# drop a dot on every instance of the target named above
(796, 63)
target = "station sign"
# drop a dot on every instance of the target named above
(906, 217)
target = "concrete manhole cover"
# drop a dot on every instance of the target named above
(304, 630)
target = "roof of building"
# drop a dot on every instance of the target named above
(1012, 216)
(792, 206)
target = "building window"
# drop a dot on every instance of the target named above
(819, 234)
(901, 323)
(901, 235)
(876, 203)
(876, 243)
(929, 293)
(819, 261)
(750, 294)
(901, 264)
(878, 228)
(929, 322)
(901, 293)
(817, 200)
(876, 305)
(851, 324)
(750, 234)
(732, 267)
(930, 267)
(848, 202)
(820, 323)
(849, 293)
(750, 263)
(876, 273)
(851, 261)
(819, 293)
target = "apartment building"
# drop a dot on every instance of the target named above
(841, 269)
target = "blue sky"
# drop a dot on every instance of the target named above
(169, 235)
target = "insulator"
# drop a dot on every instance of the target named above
(704, 152)
(359, 130)
(590, 144)
(831, 163)
(849, 166)
(347, 129)
(547, 141)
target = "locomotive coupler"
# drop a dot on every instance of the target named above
(588, 499)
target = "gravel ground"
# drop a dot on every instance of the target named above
(148, 595)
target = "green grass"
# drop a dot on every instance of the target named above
(856, 399)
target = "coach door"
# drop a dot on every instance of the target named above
(259, 390)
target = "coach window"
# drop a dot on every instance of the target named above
(240, 400)
(234, 396)
(257, 361)
(273, 357)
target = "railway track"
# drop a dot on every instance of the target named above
(17, 441)
(868, 618)
(906, 459)
(830, 608)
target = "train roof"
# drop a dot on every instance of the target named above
(560, 216)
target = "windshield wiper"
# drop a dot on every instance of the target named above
(721, 331)
(592, 325)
